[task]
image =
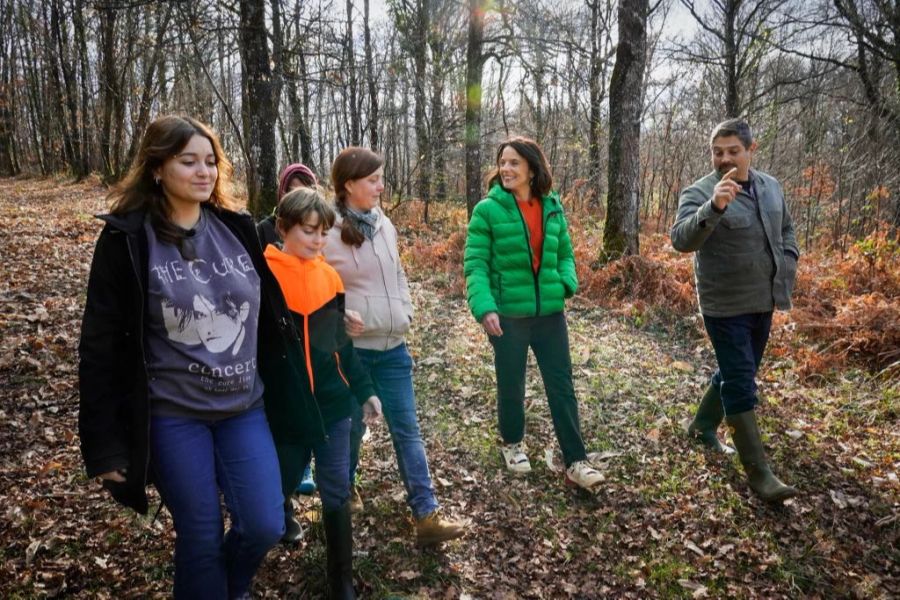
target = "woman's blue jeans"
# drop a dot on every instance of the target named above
(192, 460)
(391, 372)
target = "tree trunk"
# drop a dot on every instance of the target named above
(8, 166)
(306, 153)
(36, 91)
(371, 80)
(438, 141)
(109, 93)
(88, 115)
(732, 97)
(474, 69)
(353, 101)
(620, 232)
(147, 91)
(596, 91)
(67, 90)
(125, 62)
(259, 109)
(419, 49)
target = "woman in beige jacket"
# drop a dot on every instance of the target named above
(362, 247)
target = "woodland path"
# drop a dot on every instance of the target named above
(669, 521)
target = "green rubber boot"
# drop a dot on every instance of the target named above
(745, 433)
(706, 421)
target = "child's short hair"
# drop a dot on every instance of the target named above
(298, 205)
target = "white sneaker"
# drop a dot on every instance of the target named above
(583, 475)
(515, 459)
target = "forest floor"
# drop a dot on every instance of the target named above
(669, 520)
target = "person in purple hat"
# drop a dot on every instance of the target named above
(292, 176)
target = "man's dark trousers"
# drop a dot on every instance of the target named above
(739, 343)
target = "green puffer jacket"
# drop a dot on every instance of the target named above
(497, 262)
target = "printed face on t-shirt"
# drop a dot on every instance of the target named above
(217, 327)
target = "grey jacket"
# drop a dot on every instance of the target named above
(746, 258)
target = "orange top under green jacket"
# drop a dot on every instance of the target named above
(314, 295)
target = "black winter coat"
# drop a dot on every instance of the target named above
(114, 409)
(267, 233)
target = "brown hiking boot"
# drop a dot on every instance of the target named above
(434, 529)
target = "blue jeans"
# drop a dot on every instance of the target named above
(739, 343)
(391, 372)
(332, 465)
(192, 459)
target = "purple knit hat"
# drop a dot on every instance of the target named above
(295, 170)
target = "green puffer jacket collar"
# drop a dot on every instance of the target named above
(497, 262)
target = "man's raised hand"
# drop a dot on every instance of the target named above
(726, 190)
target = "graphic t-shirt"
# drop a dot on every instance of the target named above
(202, 324)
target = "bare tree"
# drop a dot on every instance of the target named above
(109, 86)
(731, 43)
(258, 109)
(371, 78)
(352, 84)
(601, 51)
(8, 161)
(149, 84)
(475, 59)
(620, 232)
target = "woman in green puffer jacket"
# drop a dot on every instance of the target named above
(520, 269)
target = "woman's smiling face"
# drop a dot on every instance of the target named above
(191, 175)
(515, 174)
(363, 194)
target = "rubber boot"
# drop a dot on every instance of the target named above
(745, 433)
(293, 533)
(706, 421)
(339, 548)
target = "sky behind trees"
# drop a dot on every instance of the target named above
(79, 80)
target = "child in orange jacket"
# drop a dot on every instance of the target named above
(314, 295)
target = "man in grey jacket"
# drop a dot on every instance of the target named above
(737, 223)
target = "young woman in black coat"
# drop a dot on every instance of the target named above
(186, 356)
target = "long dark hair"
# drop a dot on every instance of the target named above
(165, 137)
(537, 162)
(351, 164)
